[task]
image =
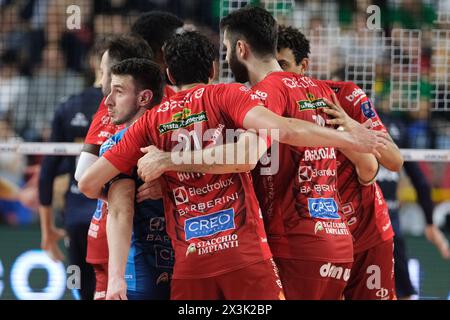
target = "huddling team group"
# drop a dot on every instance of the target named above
(308, 221)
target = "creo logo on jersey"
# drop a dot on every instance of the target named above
(323, 208)
(355, 94)
(209, 225)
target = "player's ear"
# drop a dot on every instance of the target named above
(169, 76)
(145, 98)
(212, 72)
(304, 65)
(241, 49)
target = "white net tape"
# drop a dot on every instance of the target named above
(74, 149)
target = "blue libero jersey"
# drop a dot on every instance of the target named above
(70, 124)
(149, 236)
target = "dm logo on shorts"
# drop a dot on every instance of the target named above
(323, 208)
(209, 225)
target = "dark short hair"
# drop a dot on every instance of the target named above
(293, 39)
(127, 46)
(255, 25)
(146, 75)
(156, 27)
(189, 57)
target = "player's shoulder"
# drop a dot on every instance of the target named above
(228, 87)
(348, 89)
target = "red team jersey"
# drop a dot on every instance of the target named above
(214, 221)
(102, 129)
(364, 206)
(301, 209)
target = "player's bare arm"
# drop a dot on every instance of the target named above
(241, 156)
(301, 133)
(93, 180)
(119, 227)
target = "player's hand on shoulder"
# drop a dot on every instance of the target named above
(153, 164)
(339, 117)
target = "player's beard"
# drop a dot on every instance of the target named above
(239, 69)
(126, 118)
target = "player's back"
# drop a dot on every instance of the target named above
(304, 220)
(213, 220)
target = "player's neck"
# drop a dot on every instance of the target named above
(188, 86)
(136, 117)
(260, 68)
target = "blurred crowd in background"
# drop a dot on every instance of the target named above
(42, 62)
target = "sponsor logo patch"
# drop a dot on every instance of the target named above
(209, 225)
(323, 208)
(311, 104)
(181, 120)
(367, 109)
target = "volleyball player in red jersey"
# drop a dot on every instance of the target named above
(362, 201)
(116, 49)
(207, 214)
(306, 229)
(155, 28)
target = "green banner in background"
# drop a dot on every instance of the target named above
(27, 273)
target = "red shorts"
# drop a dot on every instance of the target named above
(259, 281)
(313, 280)
(101, 281)
(372, 276)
